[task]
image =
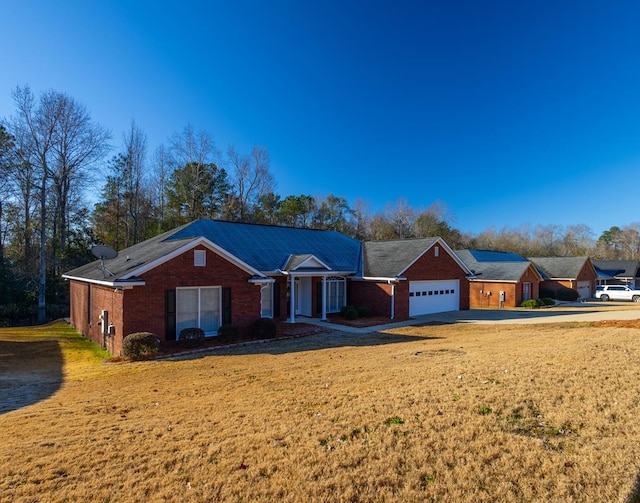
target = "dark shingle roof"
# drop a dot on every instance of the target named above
(389, 259)
(559, 267)
(617, 268)
(262, 247)
(498, 270)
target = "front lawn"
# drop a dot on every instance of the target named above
(436, 413)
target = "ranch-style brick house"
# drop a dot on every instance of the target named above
(500, 279)
(577, 273)
(209, 273)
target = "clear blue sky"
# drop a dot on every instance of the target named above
(508, 112)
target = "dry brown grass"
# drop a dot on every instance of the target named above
(434, 413)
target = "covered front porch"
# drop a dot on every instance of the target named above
(313, 289)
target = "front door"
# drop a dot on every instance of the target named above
(303, 296)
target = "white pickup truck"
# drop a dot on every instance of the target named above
(617, 292)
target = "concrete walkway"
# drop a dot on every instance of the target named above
(562, 313)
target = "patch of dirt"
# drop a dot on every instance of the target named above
(617, 323)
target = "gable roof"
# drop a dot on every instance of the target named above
(390, 259)
(617, 268)
(507, 267)
(258, 249)
(560, 267)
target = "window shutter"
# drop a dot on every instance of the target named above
(319, 297)
(170, 315)
(226, 305)
(276, 300)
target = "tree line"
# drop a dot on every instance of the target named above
(54, 206)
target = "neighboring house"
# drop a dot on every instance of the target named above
(500, 279)
(208, 273)
(618, 272)
(577, 273)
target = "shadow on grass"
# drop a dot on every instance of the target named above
(314, 342)
(634, 497)
(29, 373)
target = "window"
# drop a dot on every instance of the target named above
(198, 307)
(266, 300)
(199, 258)
(526, 291)
(436, 251)
(336, 294)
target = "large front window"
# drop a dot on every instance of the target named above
(198, 307)
(336, 294)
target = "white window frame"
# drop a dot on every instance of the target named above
(199, 307)
(199, 258)
(266, 294)
(335, 281)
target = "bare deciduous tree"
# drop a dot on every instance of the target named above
(58, 142)
(252, 179)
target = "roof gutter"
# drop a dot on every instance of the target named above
(111, 284)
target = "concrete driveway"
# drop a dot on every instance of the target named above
(562, 313)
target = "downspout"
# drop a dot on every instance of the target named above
(292, 301)
(393, 298)
(324, 298)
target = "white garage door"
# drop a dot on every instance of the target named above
(584, 289)
(427, 297)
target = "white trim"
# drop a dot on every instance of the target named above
(112, 284)
(310, 258)
(381, 278)
(319, 272)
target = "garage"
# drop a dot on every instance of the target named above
(584, 289)
(427, 297)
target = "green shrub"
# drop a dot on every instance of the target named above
(140, 344)
(191, 337)
(229, 332)
(344, 309)
(567, 294)
(547, 301)
(364, 312)
(350, 314)
(264, 328)
(531, 304)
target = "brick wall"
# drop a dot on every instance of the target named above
(87, 303)
(479, 298)
(377, 296)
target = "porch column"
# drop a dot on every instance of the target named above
(324, 298)
(292, 300)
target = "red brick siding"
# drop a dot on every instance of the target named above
(101, 298)
(377, 296)
(479, 297)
